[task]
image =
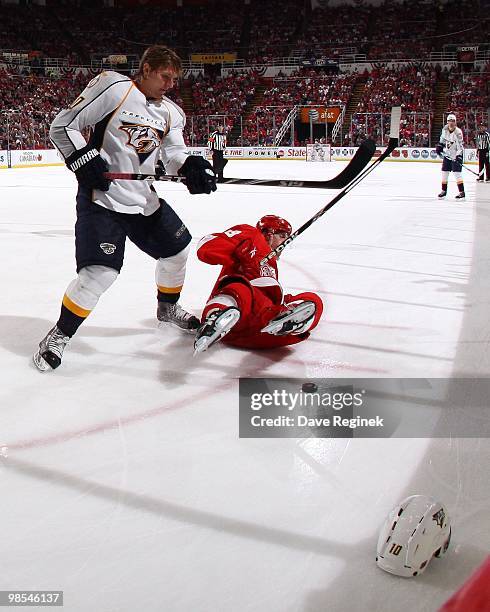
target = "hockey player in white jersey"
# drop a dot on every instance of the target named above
(131, 123)
(451, 148)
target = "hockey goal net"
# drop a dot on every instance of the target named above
(318, 152)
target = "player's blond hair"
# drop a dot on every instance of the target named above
(159, 56)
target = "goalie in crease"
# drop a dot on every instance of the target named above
(246, 307)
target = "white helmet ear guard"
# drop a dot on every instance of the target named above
(415, 531)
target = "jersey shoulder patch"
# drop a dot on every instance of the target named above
(103, 81)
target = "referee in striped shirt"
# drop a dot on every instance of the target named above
(483, 147)
(217, 144)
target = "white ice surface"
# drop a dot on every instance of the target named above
(125, 483)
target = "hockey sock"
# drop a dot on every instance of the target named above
(71, 317)
(82, 295)
(168, 294)
(461, 187)
(444, 186)
(170, 275)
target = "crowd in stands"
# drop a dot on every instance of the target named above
(469, 98)
(332, 31)
(33, 101)
(35, 28)
(467, 20)
(211, 31)
(258, 31)
(273, 28)
(305, 87)
(28, 104)
(414, 128)
(226, 99)
(404, 31)
(412, 88)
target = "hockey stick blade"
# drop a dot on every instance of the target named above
(353, 168)
(356, 166)
(392, 144)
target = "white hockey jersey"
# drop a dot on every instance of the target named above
(452, 141)
(129, 131)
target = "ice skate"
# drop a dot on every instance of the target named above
(443, 194)
(217, 324)
(177, 316)
(50, 352)
(295, 321)
(460, 196)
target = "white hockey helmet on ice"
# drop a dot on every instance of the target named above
(451, 117)
(414, 531)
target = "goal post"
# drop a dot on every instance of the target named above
(318, 152)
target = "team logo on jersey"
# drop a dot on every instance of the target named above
(107, 247)
(143, 138)
(267, 270)
(94, 81)
(439, 517)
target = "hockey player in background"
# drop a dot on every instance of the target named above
(247, 308)
(451, 148)
(131, 122)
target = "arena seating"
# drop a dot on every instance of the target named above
(469, 98)
(409, 30)
(305, 87)
(410, 87)
(279, 20)
(347, 28)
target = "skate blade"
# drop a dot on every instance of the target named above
(40, 363)
(303, 311)
(223, 325)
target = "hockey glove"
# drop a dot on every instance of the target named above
(246, 256)
(439, 149)
(159, 169)
(199, 175)
(459, 160)
(89, 168)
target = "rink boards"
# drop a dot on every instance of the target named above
(49, 157)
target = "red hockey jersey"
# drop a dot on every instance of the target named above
(239, 251)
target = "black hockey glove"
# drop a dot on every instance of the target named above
(159, 169)
(459, 159)
(439, 149)
(199, 175)
(89, 168)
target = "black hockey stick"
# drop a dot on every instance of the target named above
(465, 167)
(472, 171)
(392, 144)
(353, 168)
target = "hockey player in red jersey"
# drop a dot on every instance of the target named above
(247, 308)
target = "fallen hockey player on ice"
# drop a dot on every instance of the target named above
(246, 307)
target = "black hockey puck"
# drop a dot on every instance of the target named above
(309, 387)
